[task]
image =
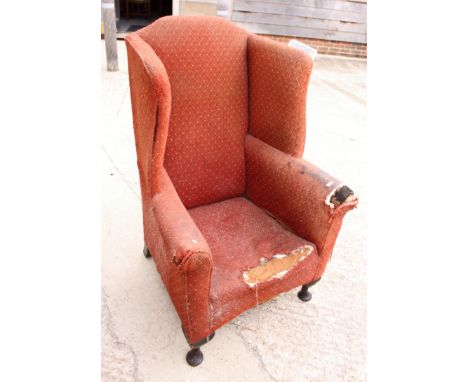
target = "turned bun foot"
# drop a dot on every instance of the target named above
(194, 357)
(304, 294)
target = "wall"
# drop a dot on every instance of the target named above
(198, 7)
(331, 26)
(340, 48)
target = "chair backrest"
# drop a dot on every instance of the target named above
(206, 62)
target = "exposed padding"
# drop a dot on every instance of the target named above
(206, 61)
(278, 81)
(296, 192)
(276, 267)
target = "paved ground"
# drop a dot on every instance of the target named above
(281, 340)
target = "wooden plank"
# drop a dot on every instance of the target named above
(339, 5)
(297, 21)
(282, 30)
(110, 32)
(285, 9)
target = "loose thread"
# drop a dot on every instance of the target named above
(257, 312)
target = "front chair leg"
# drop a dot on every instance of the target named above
(194, 356)
(304, 294)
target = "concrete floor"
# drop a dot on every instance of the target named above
(281, 340)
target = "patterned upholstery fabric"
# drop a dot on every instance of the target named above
(278, 79)
(219, 121)
(240, 234)
(206, 62)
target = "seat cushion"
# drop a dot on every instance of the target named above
(255, 257)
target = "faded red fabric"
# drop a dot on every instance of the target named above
(278, 80)
(295, 192)
(150, 92)
(206, 62)
(239, 234)
(183, 258)
(219, 119)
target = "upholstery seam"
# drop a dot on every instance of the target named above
(150, 185)
(187, 305)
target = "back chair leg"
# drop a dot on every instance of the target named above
(304, 294)
(146, 251)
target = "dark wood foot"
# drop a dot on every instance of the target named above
(194, 357)
(146, 252)
(304, 294)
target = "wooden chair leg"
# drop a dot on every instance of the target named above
(304, 294)
(194, 356)
(146, 252)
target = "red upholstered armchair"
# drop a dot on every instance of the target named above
(232, 215)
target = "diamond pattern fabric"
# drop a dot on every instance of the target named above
(219, 121)
(206, 61)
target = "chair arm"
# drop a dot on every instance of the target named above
(187, 245)
(305, 198)
(188, 261)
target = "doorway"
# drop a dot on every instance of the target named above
(132, 15)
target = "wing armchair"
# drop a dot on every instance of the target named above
(232, 215)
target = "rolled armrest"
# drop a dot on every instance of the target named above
(305, 198)
(188, 261)
(187, 245)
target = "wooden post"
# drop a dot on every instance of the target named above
(224, 9)
(110, 34)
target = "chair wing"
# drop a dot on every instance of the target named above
(278, 81)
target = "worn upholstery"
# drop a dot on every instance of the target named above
(239, 234)
(219, 121)
(206, 62)
(278, 79)
(295, 191)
